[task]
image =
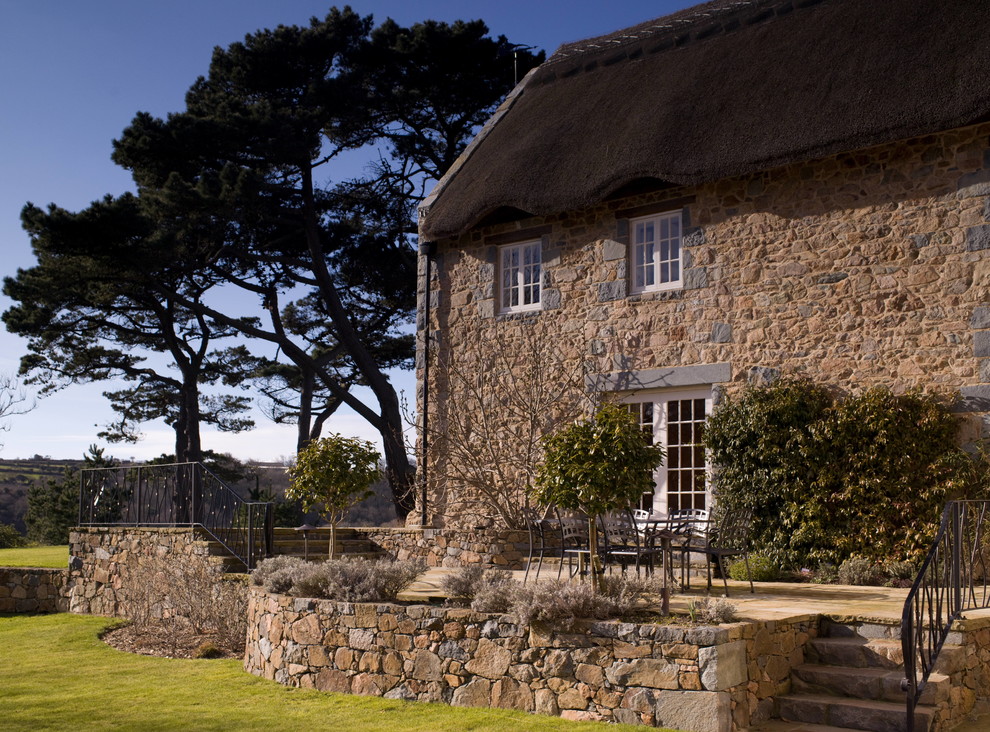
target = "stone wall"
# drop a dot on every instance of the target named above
(862, 269)
(967, 664)
(106, 564)
(32, 590)
(709, 679)
(452, 548)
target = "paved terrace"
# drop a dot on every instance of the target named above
(772, 600)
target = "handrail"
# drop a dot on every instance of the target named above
(177, 494)
(953, 578)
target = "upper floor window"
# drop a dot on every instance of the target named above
(656, 252)
(521, 274)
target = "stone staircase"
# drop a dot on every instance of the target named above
(290, 542)
(851, 680)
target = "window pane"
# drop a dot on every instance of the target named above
(675, 271)
(673, 411)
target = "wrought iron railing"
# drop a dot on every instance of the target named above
(179, 494)
(953, 578)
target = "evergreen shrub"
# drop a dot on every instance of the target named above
(10, 538)
(829, 478)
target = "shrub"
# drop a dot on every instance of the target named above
(278, 574)
(859, 571)
(900, 571)
(462, 584)
(826, 574)
(485, 590)
(762, 569)
(177, 596)
(10, 538)
(831, 478)
(356, 580)
(208, 649)
(564, 602)
(712, 610)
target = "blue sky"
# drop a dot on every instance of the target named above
(72, 76)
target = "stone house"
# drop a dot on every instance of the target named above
(740, 189)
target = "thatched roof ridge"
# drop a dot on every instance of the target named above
(725, 88)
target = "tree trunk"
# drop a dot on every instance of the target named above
(333, 539)
(593, 563)
(398, 469)
(304, 422)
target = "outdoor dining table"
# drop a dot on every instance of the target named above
(650, 530)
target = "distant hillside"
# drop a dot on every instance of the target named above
(16, 476)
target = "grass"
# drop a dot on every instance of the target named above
(56, 557)
(56, 675)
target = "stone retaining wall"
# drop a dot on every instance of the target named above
(106, 564)
(709, 679)
(452, 548)
(32, 590)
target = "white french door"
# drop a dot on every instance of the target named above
(676, 420)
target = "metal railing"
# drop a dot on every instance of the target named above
(953, 578)
(179, 494)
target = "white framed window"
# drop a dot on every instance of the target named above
(656, 252)
(675, 418)
(520, 276)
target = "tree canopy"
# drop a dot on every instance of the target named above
(245, 188)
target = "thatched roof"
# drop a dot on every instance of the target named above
(721, 89)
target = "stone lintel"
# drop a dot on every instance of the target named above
(704, 374)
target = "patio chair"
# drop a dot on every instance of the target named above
(573, 541)
(727, 535)
(540, 528)
(626, 542)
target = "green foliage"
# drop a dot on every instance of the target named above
(762, 569)
(597, 465)
(331, 475)
(53, 504)
(859, 571)
(10, 538)
(828, 478)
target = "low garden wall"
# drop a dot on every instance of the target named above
(709, 679)
(506, 548)
(32, 590)
(109, 566)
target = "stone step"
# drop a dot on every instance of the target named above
(286, 546)
(321, 554)
(830, 628)
(780, 725)
(864, 683)
(856, 652)
(861, 714)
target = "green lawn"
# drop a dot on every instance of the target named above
(55, 674)
(36, 556)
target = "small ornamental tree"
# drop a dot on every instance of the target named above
(331, 475)
(596, 466)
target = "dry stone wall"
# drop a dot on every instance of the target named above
(452, 548)
(105, 564)
(32, 590)
(862, 269)
(709, 679)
